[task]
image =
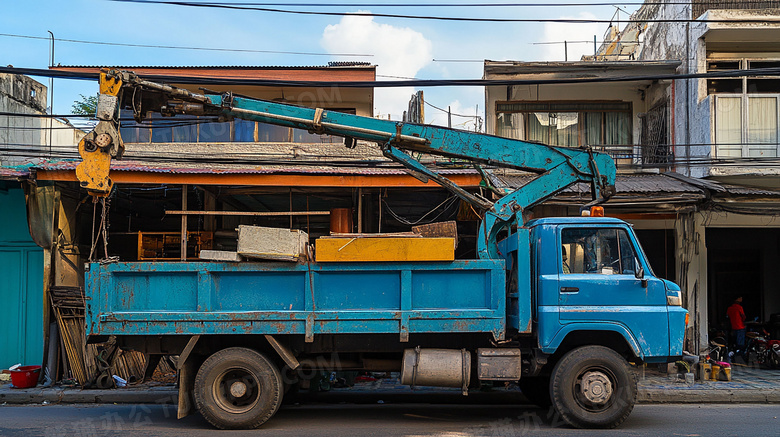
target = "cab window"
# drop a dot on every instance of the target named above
(604, 251)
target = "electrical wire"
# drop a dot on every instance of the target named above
(213, 81)
(258, 158)
(212, 49)
(29, 115)
(451, 113)
(463, 5)
(443, 18)
(447, 203)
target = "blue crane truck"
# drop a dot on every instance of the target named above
(564, 307)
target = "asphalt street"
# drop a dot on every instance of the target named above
(345, 420)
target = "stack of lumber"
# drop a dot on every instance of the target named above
(80, 360)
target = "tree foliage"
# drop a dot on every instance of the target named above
(87, 105)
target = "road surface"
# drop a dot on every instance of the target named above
(346, 420)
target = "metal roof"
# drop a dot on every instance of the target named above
(589, 67)
(335, 64)
(152, 167)
(641, 183)
(749, 191)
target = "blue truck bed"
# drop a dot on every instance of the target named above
(188, 298)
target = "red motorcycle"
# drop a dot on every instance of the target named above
(766, 352)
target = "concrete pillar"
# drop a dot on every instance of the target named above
(691, 267)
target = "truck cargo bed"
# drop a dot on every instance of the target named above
(187, 298)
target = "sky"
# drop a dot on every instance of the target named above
(401, 48)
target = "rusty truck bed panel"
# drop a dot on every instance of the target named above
(186, 298)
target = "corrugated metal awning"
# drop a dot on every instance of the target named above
(625, 184)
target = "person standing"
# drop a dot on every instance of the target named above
(736, 316)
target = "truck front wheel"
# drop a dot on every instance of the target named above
(593, 387)
(238, 388)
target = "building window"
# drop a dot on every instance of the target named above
(568, 124)
(746, 110)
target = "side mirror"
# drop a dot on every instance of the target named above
(640, 274)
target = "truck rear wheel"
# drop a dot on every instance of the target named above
(593, 387)
(238, 388)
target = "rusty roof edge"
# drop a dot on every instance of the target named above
(699, 183)
(334, 66)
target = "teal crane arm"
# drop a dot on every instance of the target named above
(557, 167)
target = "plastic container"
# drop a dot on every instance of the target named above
(705, 370)
(25, 376)
(714, 373)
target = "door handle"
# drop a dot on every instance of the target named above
(569, 289)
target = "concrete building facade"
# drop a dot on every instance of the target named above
(719, 135)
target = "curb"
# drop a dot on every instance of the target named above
(719, 396)
(71, 396)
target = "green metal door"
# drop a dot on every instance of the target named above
(21, 285)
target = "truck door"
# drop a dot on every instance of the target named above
(598, 285)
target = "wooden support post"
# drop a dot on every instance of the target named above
(184, 223)
(360, 211)
(209, 204)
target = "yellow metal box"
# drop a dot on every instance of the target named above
(366, 249)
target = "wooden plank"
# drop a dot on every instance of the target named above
(442, 229)
(384, 249)
(373, 235)
(248, 213)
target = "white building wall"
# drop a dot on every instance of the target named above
(20, 95)
(25, 138)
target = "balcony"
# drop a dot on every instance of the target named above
(702, 6)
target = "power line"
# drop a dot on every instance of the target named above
(29, 115)
(212, 49)
(189, 80)
(447, 5)
(443, 18)
(451, 113)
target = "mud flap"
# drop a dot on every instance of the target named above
(187, 374)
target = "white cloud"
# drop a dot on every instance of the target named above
(398, 51)
(560, 32)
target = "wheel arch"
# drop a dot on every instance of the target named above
(614, 336)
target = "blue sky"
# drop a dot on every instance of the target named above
(400, 47)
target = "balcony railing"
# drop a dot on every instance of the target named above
(702, 6)
(628, 156)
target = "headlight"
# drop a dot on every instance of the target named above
(673, 298)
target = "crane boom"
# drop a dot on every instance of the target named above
(557, 167)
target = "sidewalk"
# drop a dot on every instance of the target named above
(748, 385)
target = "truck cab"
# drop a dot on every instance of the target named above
(592, 275)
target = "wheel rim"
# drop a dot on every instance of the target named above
(236, 390)
(594, 389)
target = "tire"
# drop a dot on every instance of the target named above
(774, 360)
(238, 388)
(612, 384)
(536, 390)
